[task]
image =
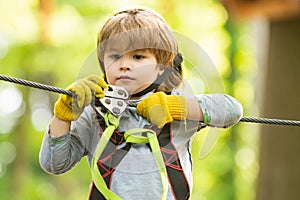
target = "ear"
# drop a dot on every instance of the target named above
(163, 67)
(161, 71)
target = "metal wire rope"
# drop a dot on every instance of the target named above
(35, 85)
(270, 121)
(63, 91)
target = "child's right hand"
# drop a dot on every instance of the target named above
(69, 108)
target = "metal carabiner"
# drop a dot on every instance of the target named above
(114, 101)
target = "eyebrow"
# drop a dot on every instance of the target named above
(111, 49)
(124, 52)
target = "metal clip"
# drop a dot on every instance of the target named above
(115, 101)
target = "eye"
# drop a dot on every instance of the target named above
(115, 56)
(138, 56)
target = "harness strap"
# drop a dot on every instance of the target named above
(112, 156)
(137, 135)
(107, 166)
(112, 123)
(178, 181)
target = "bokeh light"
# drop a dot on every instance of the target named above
(10, 99)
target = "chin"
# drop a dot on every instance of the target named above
(131, 90)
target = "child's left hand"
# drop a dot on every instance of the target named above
(160, 109)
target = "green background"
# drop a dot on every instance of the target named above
(53, 42)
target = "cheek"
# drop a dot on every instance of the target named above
(109, 76)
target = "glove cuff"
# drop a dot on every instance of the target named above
(178, 107)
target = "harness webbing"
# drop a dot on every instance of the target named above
(112, 123)
(137, 135)
(179, 184)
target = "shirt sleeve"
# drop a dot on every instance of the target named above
(60, 154)
(220, 110)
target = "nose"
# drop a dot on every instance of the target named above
(125, 64)
(125, 68)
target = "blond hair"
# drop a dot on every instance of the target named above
(142, 28)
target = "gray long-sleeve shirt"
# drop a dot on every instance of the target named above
(137, 175)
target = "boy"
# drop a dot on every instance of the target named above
(137, 51)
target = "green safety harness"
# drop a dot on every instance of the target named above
(137, 136)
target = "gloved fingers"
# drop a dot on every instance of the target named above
(155, 109)
(66, 98)
(142, 109)
(69, 108)
(88, 91)
(84, 94)
(100, 85)
(84, 89)
(99, 81)
(158, 115)
(96, 89)
(88, 94)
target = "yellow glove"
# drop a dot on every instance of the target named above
(69, 108)
(161, 109)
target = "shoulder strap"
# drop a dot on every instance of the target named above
(177, 178)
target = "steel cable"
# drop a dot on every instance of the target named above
(35, 85)
(63, 91)
(270, 121)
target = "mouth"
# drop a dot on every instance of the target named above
(124, 77)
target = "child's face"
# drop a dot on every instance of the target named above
(134, 70)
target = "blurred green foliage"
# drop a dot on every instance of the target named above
(55, 45)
